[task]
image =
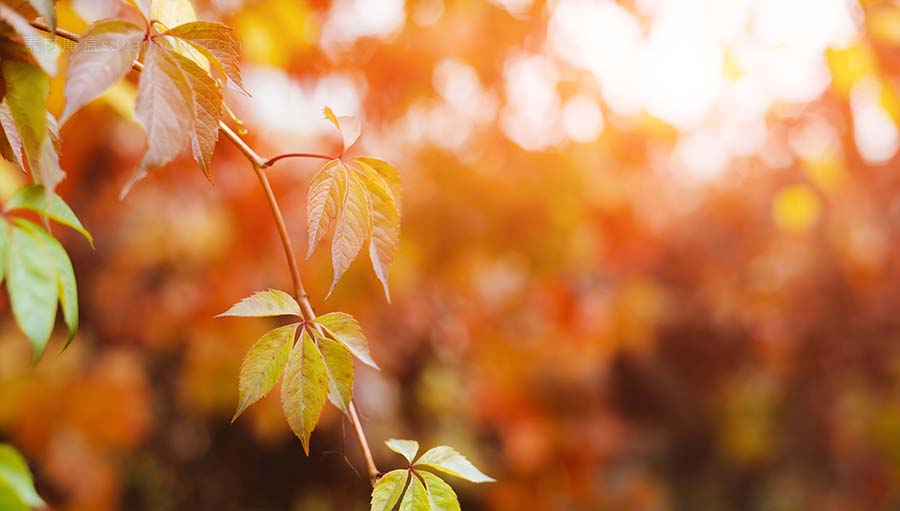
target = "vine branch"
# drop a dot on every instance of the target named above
(259, 164)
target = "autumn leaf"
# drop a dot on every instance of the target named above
(405, 448)
(346, 329)
(390, 175)
(440, 495)
(415, 498)
(142, 6)
(324, 201)
(263, 365)
(304, 389)
(102, 57)
(353, 227)
(265, 303)
(206, 109)
(35, 198)
(447, 460)
(339, 366)
(388, 490)
(348, 126)
(42, 51)
(385, 236)
(27, 87)
(216, 42)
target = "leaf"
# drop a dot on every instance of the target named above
(339, 367)
(66, 286)
(263, 304)
(48, 172)
(47, 10)
(415, 498)
(263, 365)
(15, 475)
(353, 227)
(440, 494)
(347, 125)
(27, 87)
(44, 51)
(12, 145)
(4, 247)
(405, 448)
(304, 389)
(447, 460)
(162, 107)
(389, 173)
(388, 490)
(216, 42)
(206, 109)
(385, 237)
(172, 13)
(9, 501)
(34, 198)
(142, 6)
(102, 57)
(346, 329)
(32, 287)
(324, 201)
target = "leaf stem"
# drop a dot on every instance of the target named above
(259, 163)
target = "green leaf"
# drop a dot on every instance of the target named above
(35, 198)
(448, 461)
(32, 286)
(385, 236)
(339, 366)
(263, 304)
(347, 125)
(304, 389)
(67, 289)
(263, 365)
(415, 498)
(346, 329)
(353, 227)
(440, 494)
(102, 57)
(216, 42)
(405, 448)
(4, 247)
(15, 475)
(27, 87)
(324, 201)
(388, 490)
(9, 500)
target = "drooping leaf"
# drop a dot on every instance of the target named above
(27, 87)
(32, 286)
(348, 126)
(216, 42)
(31, 45)
(48, 171)
(12, 142)
(389, 173)
(14, 474)
(66, 286)
(263, 304)
(324, 201)
(206, 109)
(415, 498)
(440, 494)
(339, 366)
(447, 460)
(405, 448)
(35, 198)
(163, 108)
(304, 389)
(346, 329)
(263, 365)
(385, 236)
(353, 227)
(388, 490)
(102, 57)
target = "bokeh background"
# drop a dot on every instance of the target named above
(649, 261)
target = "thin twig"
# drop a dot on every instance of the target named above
(259, 163)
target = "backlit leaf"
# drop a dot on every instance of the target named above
(440, 494)
(14, 474)
(34, 198)
(447, 460)
(346, 329)
(216, 42)
(102, 57)
(405, 448)
(27, 87)
(206, 109)
(385, 237)
(44, 51)
(304, 389)
(143, 7)
(263, 365)
(388, 490)
(324, 201)
(32, 286)
(339, 366)
(353, 227)
(415, 498)
(389, 173)
(265, 303)
(347, 125)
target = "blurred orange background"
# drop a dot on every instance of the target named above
(649, 261)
